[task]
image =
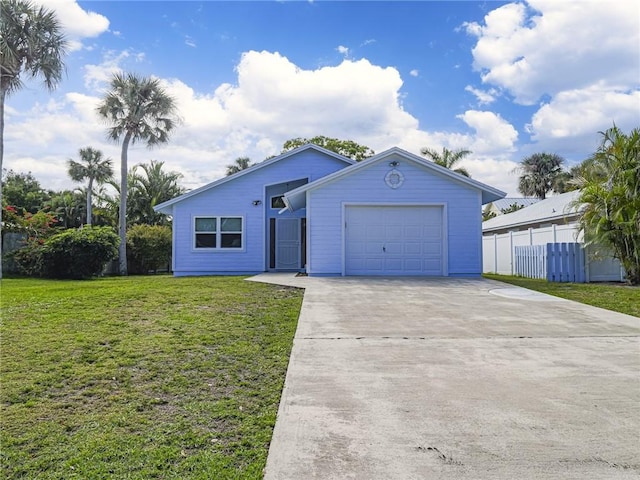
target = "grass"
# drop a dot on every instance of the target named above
(141, 377)
(612, 296)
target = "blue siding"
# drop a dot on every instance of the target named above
(235, 198)
(462, 207)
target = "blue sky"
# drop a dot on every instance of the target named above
(502, 79)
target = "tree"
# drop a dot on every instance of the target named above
(69, 208)
(610, 199)
(346, 148)
(23, 191)
(138, 110)
(540, 173)
(31, 43)
(93, 167)
(149, 189)
(239, 164)
(448, 158)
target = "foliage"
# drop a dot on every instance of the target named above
(488, 215)
(239, 164)
(140, 378)
(69, 208)
(610, 199)
(616, 297)
(23, 191)
(539, 174)
(37, 227)
(448, 158)
(137, 109)
(73, 253)
(92, 167)
(514, 207)
(149, 248)
(32, 44)
(150, 188)
(346, 148)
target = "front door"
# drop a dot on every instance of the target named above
(287, 244)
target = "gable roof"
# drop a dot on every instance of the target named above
(165, 206)
(549, 209)
(295, 199)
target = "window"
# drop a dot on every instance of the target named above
(277, 202)
(218, 232)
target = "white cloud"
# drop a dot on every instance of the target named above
(77, 22)
(493, 133)
(189, 41)
(572, 118)
(484, 97)
(343, 50)
(271, 101)
(551, 46)
(96, 76)
(414, 73)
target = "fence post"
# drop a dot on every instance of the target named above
(511, 250)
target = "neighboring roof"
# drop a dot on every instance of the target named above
(164, 207)
(296, 198)
(552, 208)
(508, 201)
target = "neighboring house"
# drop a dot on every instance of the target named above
(313, 210)
(502, 204)
(553, 220)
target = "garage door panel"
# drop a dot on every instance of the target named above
(394, 240)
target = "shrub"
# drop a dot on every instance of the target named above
(79, 253)
(148, 248)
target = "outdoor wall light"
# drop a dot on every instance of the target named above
(394, 163)
(256, 202)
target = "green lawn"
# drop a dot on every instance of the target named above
(141, 377)
(617, 297)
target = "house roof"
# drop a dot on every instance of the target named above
(508, 201)
(549, 209)
(296, 198)
(165, 206)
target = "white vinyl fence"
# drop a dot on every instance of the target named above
(498, 250)
(557, 262)
(499, 253)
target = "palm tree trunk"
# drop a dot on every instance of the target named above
(3, 95)
(123, 205)
(89, 206)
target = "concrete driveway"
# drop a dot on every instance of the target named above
(455, 379)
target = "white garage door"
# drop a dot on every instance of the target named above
(394, 240)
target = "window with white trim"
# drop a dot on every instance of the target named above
(218, 232)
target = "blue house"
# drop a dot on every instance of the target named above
(313, 210)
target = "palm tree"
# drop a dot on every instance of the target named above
(239, 164)
(149, 189)
(610, 197)
(448, 158)
(31, 43)
(540, 173)
(92, 166)
(138, 110)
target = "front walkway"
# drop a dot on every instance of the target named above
(455, 379)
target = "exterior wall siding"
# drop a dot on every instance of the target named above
(235, 198)
(462, 209)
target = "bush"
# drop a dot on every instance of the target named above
(79, 253)
(148, 248)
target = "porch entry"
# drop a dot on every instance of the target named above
(288, 243)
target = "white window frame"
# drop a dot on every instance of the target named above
(218, 233)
